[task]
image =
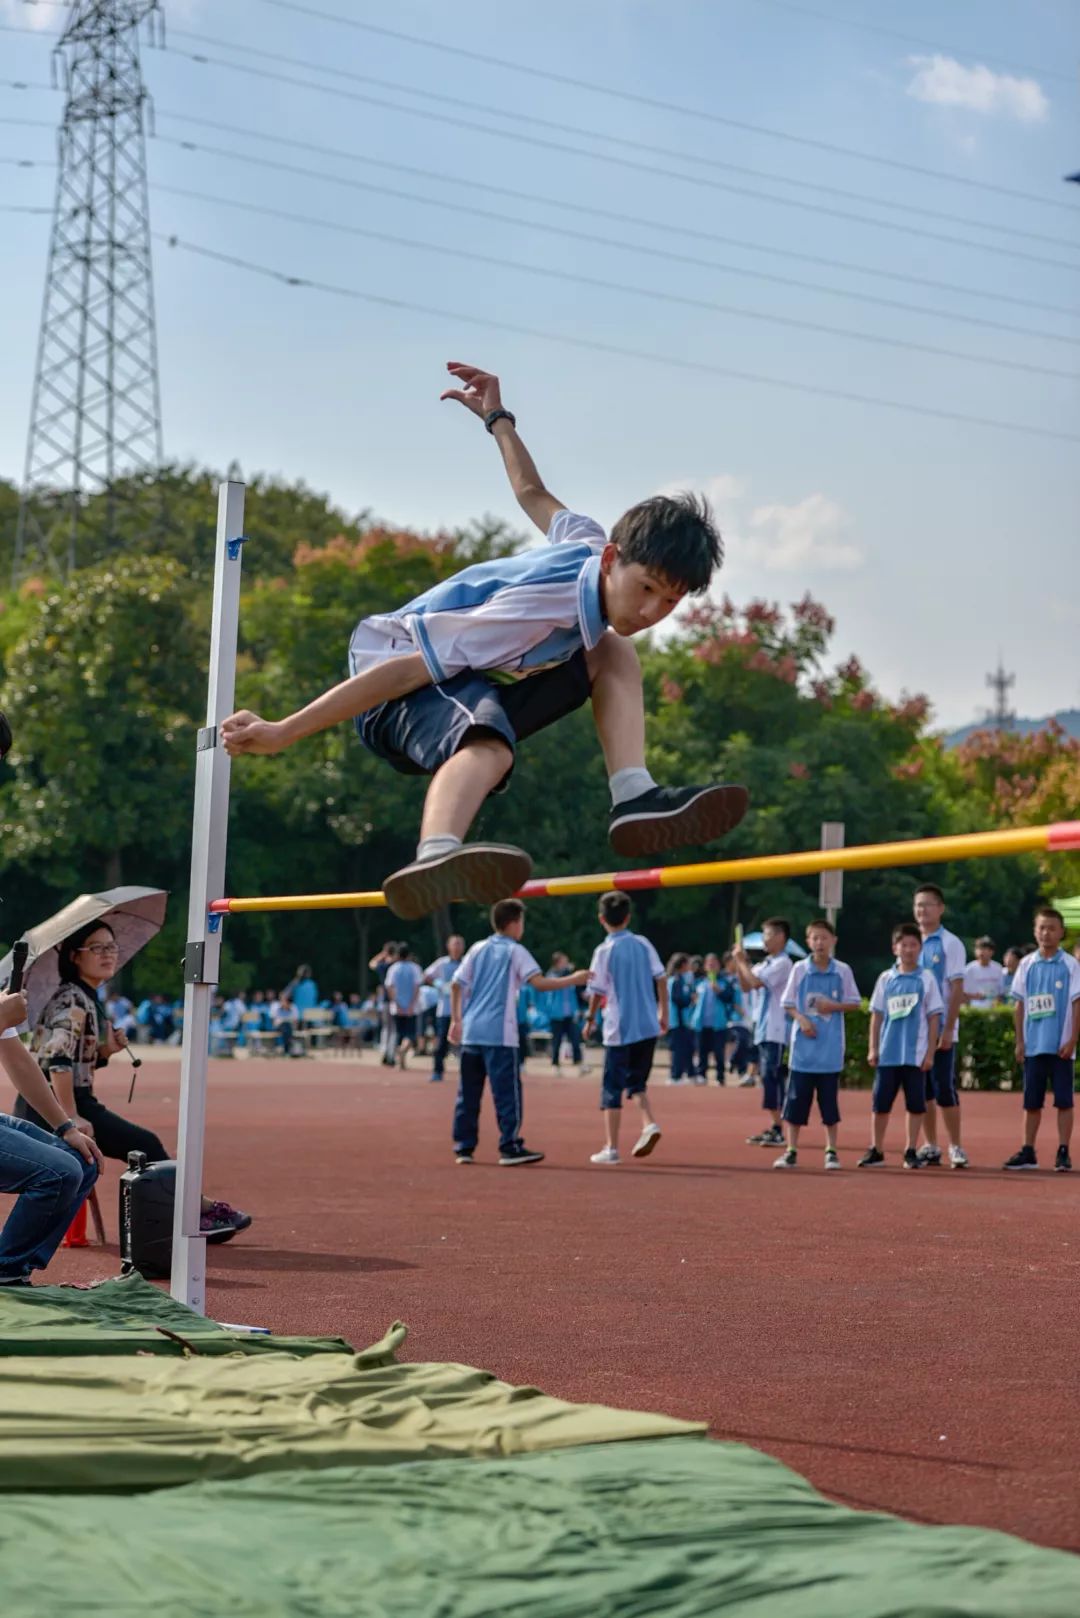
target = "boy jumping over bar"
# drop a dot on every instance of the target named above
(449, 683)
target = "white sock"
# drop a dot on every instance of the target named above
(630, 783)
(430, 848)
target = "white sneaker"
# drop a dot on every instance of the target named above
(607, 1154)
(747, 1083)
(958, 1158)
(645, 1142)
(583, 1070)
(788, 1160)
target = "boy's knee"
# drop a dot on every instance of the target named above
(496, 753)
(614, 655)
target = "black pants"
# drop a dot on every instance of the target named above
(116, 1136)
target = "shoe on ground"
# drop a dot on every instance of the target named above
(519, 1154)
(929, 1156)
(402, 1057)
(911, 1159)
(832, 1158)
(747, 1083)
(958, 1158)
(436, 1078)
(15, 1281)
(583, 1070)
(675, 817)
(787, 1160)
(647, 1141)
(677, 1081)
(606, 1154)
(699, 1078)
(1023, 1159)
(475, 873)
(1063, 1162)
(221, 1221)
(773, 1136)
(871, 1159)
(463, 1157)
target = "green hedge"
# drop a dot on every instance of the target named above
(986, 1045)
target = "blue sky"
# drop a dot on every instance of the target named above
(936, 543)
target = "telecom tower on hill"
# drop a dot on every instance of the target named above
(95, 418)
(1001, 716)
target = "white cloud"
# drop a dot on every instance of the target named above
(810, 536)
(47, 18)
(945, 82)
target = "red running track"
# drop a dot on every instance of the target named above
(906, 1341)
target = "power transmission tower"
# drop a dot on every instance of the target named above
(1001, 716)
(95, 417)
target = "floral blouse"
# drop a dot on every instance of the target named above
(67, 1034)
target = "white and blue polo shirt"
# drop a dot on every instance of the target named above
(404, 979)
(806, 988)
(624, 969)
(944, 955)
(512, 616)
(439, 974)
(491, 975)
(771, 1022)
(1048, 988)
(907, 1001)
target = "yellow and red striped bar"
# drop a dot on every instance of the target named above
(1055, 839)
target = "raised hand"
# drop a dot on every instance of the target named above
(245, 732)
(479, 391)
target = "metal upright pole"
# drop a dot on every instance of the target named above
(203, 951)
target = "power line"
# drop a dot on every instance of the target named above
(561, 127)
(649, 222)
(587, 280)
(643, 168)
(639, 99)
(594, 345)
(914, 39)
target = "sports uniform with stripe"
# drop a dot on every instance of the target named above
(906, 1001)
(1047, 987)
(944, 955)
(816, 1063)
(625, 969)
(491, 974)
(504, 642)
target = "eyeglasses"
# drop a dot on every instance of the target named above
(99, 949)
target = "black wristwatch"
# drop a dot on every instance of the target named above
(65, 1128)
(499, 415)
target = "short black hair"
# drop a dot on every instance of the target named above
(401, 951)
(929, 887)
(985, 943)
(678, 963)
(781, 922)
(615, 908)
(506, 912)
(822, 921)
(673, 535)
(1048, 910)
(905, 929)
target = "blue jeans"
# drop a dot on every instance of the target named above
(565, 1027)
(50, 1181)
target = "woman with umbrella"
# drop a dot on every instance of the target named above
(72, 1039)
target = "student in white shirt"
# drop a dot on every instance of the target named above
(984, 978)
(771, 1028)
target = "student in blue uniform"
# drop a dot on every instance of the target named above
(819, 991)
(905, 1024)
(484, 1022)
(562, 1012)
(1046, 992)
(770, 1031)
(944, 955)
(449, 683)
(628, 976)
(681, 997)
(403, 982)
(713, 1007)
(439, 975)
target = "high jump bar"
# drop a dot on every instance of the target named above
(1060, 837)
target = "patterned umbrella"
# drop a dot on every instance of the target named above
(134, 914)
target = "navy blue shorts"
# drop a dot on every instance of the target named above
(1049, 1070)
(801, 1090)
(405, 1027)
(891, 1080)
(418, 733)
(773, 1074)
(941, 1079)
(626, 1072)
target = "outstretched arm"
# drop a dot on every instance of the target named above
(245, 732)
(480, 394)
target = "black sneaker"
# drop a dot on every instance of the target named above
(675, 817)
(519, 1154)
(911, 1159)
(475, 873)
(871, 1159)
(1063, 1162)
(1023, 1159)
(767, 1137)
(463, 1157)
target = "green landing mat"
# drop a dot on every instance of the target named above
(672, 1528)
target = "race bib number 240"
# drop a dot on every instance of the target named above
(1041, 1005)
